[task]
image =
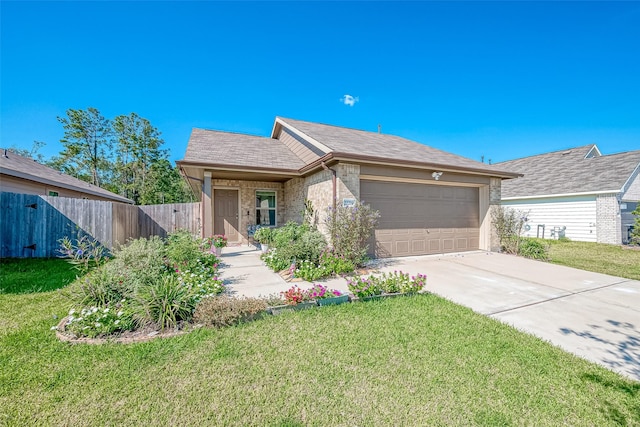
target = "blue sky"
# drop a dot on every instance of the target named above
(499, 79)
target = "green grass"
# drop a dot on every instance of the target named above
(29, 275)
(405, 361)
(598, 257)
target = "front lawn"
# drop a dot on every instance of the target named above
(598, 257)
(28, 275)
(417, 360)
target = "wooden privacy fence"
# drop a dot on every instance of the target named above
(31, 225)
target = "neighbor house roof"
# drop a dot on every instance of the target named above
(234, 149)
(360, 144)
(17, 166)
(580, 170)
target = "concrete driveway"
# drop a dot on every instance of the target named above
(592, 315)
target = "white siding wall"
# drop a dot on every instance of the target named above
(577, 213)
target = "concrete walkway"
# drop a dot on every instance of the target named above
(592, 315)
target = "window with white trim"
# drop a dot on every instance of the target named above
(265, 208)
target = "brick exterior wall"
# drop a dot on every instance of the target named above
(248, 201)
(495, 197)
(608, 226)
(294, 195)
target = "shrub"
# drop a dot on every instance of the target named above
(165, 303)
(362, 287)
(99, 287)
(224, 311)
(350, 228)
(264, 235)
(335, 263)
(182, 248)
(294, 243)
(508, 224)
(140, 261)
(535, 249)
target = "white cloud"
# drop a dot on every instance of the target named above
(349, 100)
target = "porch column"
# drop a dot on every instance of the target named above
(207, 206)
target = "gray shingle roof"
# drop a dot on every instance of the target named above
(234, 149)
(568, 172)
(24, 167)
(383, 146)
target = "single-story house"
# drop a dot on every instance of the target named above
(19, 174)
(430, 201)
(577, 193)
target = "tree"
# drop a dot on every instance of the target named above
(32, 153)
(164, 185)
(87, 146)
(138, 149)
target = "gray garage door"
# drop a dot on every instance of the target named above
(418, 219)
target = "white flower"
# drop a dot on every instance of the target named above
(116, 322)
(106, 310)
(97, 325)
(120, 313)
(53, 328)
(72, 311)
(94, 309)
(71, 319)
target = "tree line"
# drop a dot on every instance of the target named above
(123, 155)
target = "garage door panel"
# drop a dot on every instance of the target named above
(419, 219)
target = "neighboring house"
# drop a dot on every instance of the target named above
(578, 193)
(430, 201)
(20, 174)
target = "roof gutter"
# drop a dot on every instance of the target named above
(404, 163)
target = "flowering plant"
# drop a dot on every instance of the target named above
(294, 295)
(362, 287)
(387, 283)
(218, 240)
(99, 321)
(201, 279)
(318, 291)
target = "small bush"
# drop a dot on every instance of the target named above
(534, 249)
(294, 243)
(224, 311)
(335, 263)
(165, 303)
(508, 224)
(98, 288)
(350, 227)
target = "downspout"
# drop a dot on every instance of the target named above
(335, 196)
(334, 178)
